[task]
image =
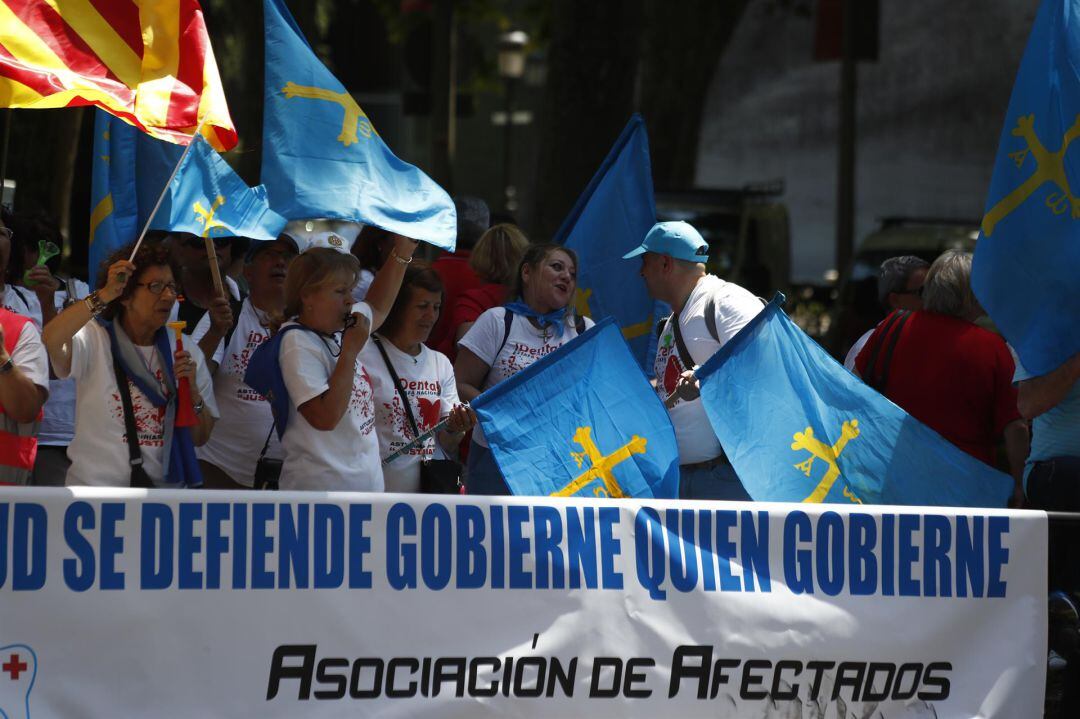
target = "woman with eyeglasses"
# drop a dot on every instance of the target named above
(115, 344)
(41, 294)
(19, 300)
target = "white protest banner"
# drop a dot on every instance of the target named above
(122, 603)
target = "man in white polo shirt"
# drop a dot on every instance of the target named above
(707, 312)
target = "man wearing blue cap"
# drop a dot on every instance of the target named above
(707, 312)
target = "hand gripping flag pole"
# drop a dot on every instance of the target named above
(418, 440)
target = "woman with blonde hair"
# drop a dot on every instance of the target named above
(329, 441)
(495, 259)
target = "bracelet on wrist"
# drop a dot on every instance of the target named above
(95, 304)
(7, 366)
(401, 260)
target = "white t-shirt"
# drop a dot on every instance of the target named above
(30, 357)
(849, 359)
(525, 345)
(734, 307)
(98, 452)
(58, 424)
(345, 458)
(21, 301)
(363, 284)
(428, 381)
(238, 438)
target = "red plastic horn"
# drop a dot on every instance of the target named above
(185, 409)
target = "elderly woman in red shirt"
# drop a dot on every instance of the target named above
(947, 372)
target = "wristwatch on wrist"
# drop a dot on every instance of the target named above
(199, 406)
(6, 367)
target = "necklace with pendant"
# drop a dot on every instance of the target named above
(148, 362)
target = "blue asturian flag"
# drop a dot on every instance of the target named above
(582, 421)
(130, 170)
(798, 427)
(611, 218)
(1026, 258)
(207, 198)
(322, 156)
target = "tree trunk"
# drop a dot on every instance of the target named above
(67, 133)
(592, 64)
(682, 46)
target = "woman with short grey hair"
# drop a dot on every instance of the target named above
(947, 289)
(946, 371)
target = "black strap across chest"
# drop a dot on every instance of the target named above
(139, 477)
(710, 323)
(397, 386)
(888, 337)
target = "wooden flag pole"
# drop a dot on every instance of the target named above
(215, 271)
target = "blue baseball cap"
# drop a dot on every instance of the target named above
(675, 239)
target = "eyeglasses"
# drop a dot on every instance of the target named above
(157, 287)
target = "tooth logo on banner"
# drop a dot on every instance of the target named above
(206, 217)
(18, 670)
(354, 117)
(1049, 167)
(600, 467)
(830, 454)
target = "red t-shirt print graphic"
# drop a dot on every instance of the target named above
(672, 373)
(429, 412)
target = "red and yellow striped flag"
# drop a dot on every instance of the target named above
(148, 62)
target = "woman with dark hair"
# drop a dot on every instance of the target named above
(505, 340)
(53, 292)
(13, 298)
(115, 344)
(372, 246)
(330, 441)
(401, 366)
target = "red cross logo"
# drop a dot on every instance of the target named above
(14, 667)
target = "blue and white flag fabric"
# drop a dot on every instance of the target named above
(207, 198)
(323, 158)
(1026, 258)
(582, 421)
(612, 217)
(798, 427)
(129, 173)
